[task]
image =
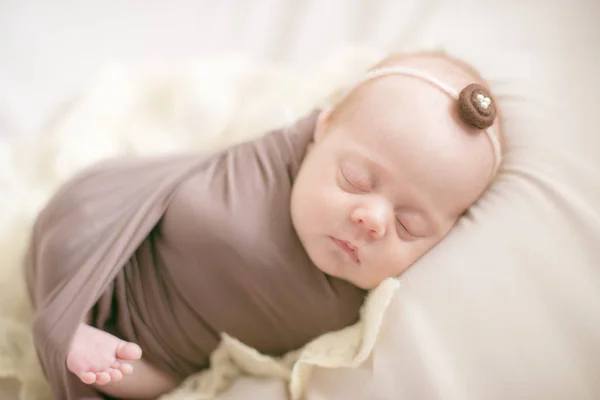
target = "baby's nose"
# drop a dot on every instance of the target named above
(372, 218)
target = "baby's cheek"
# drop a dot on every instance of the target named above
(400, 259)
(401, 256)
(325, 201)
(420, 248)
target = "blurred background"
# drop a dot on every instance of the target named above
(49, 49)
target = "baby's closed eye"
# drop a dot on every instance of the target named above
(412, 225)
(355, 178)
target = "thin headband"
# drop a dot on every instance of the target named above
(476, 107)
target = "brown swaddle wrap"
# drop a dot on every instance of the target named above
(169, 252)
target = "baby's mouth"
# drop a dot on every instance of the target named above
(347, 248)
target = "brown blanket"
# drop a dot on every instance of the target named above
(169, 252)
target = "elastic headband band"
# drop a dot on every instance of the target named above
(476, 107)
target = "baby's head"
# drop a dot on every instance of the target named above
(393, 166)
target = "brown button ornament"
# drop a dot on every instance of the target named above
(476, 106)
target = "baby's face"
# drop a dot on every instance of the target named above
(386, 180)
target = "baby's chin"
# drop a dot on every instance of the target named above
(364, 285)
(356, 279)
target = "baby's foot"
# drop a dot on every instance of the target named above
(98, 357)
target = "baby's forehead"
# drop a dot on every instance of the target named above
(421, 111)
(395, 108)
(401, 139)
(406, 93)
(452, 72)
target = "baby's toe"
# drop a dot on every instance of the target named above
(88, 378)
(126, 369)
(102, 378)
(129, 351)
(115, 375)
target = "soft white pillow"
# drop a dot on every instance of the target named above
(508, 307)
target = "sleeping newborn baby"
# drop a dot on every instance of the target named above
(137, 265)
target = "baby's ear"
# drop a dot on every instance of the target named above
(322, 125)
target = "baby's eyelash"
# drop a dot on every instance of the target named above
(404, 227)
